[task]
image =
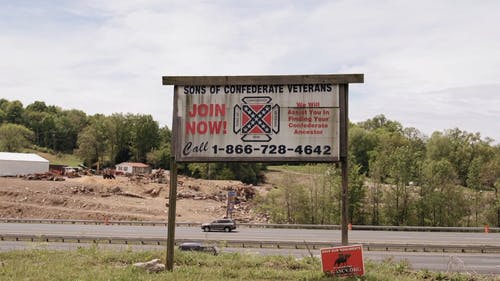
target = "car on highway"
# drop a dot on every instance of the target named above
(199, 247)
(226, 225)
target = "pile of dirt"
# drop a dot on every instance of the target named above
(92, 197)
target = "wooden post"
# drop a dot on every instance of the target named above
(345, 238)
(171, 214)
(172, 197)
(344, 125)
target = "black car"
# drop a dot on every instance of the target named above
(223, 224)
(198, 247)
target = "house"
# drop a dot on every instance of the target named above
(133, 168)
(16, 164)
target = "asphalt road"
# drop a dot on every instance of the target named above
(463, 262)
(257, 234)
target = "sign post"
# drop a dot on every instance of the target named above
(171, 214)
(280, 118)
(231, 198)
(344, 125)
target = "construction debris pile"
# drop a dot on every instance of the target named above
(106, 194)
(48, 176)
(242, 210)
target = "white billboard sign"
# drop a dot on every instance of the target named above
(257, 122)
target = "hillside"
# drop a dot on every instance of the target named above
(92, 197)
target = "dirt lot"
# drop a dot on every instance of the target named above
(92, 197)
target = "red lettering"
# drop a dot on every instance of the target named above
(202, 127)
(215, 127)
(204, 110)
(220, 110)
(191, 128)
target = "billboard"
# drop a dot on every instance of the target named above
(257, 122)
(343, 260)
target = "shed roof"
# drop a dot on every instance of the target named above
(13, 156)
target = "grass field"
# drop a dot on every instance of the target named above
(59, 159)
(98, 264)
(300, 169)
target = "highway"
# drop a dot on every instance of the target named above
(450, 261)
(257, 234)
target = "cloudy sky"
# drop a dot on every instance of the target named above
(432, 65)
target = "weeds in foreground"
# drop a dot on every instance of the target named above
(99, 264)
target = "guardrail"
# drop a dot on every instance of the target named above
(257, 225)
(251, 244)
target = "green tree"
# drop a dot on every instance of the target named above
(48, 131)
(3, 116)
(404, 162)
(34, 121)
(379, 163)
(439, 188)
(14, 137)
(489, 177)
(381, 122)
(380, 173)
(319, 191)
(357, 195)
(288, 203)
(119, 135)
(160, 158)
(68, 124)
(92, 142)
(3, 104)
(474, 172)
(361, 143)
(38, 106)
(456, 146)
(145, 136)
(54, 127)
(37, 118)
(14, 112)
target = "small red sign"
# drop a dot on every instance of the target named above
(343, 260)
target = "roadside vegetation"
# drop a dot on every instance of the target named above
(98, 264)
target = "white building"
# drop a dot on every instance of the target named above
(133, 168)
(13, 164)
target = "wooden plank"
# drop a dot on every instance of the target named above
(263, 80)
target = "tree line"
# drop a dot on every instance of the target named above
(97, 139)
(398, 176)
